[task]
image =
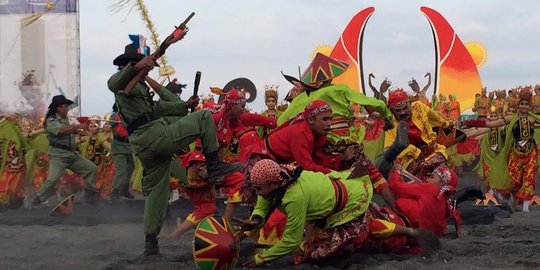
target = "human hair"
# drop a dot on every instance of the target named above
(50, 113)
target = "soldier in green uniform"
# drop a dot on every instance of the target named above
(154, 139)
(122, 157)
(62, 153)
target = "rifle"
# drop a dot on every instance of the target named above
(196, 88)
(169, 40)
(86, 119)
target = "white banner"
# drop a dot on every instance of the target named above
(39, 56)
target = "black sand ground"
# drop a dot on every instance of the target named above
(110, 236)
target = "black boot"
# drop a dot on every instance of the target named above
(217, 169)
(401, 142)
(385, 162)
(92, 197)
(125, 192)
(115, 195)
(37, 203)
(151, 247)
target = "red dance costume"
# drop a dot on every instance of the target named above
(423, 204)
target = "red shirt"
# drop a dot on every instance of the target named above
(227, 129)
(244, 130)
(415, 135)
(420, 203)
(297, 143)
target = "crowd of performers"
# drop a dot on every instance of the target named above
(309, 171)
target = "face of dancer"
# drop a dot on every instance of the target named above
(320, 123)
(107, 127)
(264, 190)
(93, 127)
(236, 110)
(62, 110)
(271, 103)
(402, 111)
(524, 106)
(435, 179)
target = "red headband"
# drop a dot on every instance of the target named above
(449, 179)
(397, 96)
(235, 97)
(316, 107)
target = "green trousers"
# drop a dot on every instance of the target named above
(178, 171)
(156, 161)
(69, 160)
(125, 165)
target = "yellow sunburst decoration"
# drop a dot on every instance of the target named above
(478, 52)
(324, 49)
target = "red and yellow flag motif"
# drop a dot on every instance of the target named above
(455, 70)
(349, 49)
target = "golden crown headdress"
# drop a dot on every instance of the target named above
(271, 91)
(525, 94)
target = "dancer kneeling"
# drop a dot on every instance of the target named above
(341, 210)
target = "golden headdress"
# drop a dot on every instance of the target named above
(271, 91)
(525, 94)
(95, 121)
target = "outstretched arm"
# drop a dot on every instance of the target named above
(499, 122)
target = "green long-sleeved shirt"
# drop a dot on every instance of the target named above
(54, 124)
(339, 97)
(310, 199)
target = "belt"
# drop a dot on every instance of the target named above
(267, 144)
(341, 196)
(341, 201)
(61, 146)
(141, 120)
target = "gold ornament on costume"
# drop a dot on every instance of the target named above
(218, 91)
(165, 69)
(525, 94)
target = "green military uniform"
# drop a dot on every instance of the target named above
(62, 155)
(123, 161)
(156, 138)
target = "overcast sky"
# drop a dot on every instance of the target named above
(258, 39)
